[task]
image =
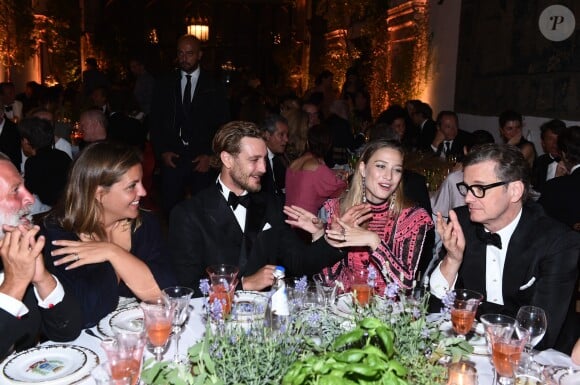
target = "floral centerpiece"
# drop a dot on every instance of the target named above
(388, 341)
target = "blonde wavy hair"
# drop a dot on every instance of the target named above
(354, 195)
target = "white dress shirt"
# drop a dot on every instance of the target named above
(194, 78)
(240, 211)
(18, 309)
(494, 263)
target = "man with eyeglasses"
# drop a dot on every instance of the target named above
(507, 248)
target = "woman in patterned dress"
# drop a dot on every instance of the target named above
(389, 235)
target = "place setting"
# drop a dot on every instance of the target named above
(50, 365)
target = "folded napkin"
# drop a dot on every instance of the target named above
(555, 358)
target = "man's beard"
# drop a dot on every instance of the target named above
(13, 219)
(242, 180)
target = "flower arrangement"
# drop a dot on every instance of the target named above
(388, 341)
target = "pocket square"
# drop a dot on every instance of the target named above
(267, 226)
(530, 283)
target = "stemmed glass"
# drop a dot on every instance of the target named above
(158, 317)
(179, 296)
(507, 344)
(463, 310)
(533, 319)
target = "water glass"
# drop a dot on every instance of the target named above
(361, 289)
(103, 376)
(125, 354)
(507, 345)
(463, 310)
(491, 320)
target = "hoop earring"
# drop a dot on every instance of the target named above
(364, 190)
(393, 199)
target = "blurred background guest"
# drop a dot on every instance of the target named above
(549, 165)
(510, 128)
(309, 182)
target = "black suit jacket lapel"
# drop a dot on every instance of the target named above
(255, 221)
(474, 271)
(226, 226)
(517, 266)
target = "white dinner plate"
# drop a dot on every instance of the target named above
(50, 365)
(128, 320)
(564, 376)
(249, 306)
(104, 325)
(477, 339)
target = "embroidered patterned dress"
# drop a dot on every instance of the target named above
(402, 241)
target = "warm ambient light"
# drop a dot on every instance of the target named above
(198, 28)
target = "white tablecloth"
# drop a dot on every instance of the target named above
(195, 329)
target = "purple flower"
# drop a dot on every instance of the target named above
(425, 333)
(372, 275)
(216, 310)
(416, 313)
(204, 286)
(300, 285)
(448, 300)
(313, 319)
(392, 290)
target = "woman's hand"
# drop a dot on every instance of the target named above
(80, 253)
(357, 215)
(305, 220)
(349, 236)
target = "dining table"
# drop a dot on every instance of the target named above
(194, 330)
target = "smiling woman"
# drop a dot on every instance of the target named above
(99, 243)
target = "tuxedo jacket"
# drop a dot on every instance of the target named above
(541, 269)
(60, 323)
(426, 135)
(46, 174)
(208, 111)
(203, 231)
(560, 198)
(540, 170)
(10, 143)
(462, 139)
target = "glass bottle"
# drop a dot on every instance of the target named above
(277, 312)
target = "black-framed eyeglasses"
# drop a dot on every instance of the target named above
(477, 190)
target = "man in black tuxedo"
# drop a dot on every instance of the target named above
(423, 119)
(188, 107)
(235, 223)
(507, 249)
(275, 131)
(560, 195)
(548, 165)
(449, 139)
(31, 299)
(10, 139)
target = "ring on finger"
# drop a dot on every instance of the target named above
(76, 255)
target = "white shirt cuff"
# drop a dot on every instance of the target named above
(12, 305)
(438, 284)
(433, 148)
(54, 298)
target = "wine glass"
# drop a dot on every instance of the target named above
(507, 344)
(463, 310)
(533, 319)
(179, 296)
(223, 281)
(158, 317)
(361, 289)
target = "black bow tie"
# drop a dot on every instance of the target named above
(235, 200)
(489, 238)
(8, 108)
(556, 159)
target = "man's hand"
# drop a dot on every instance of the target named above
(168, 157)
(454, 242)
(19, 252)
(201, 163)
(259, 280)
